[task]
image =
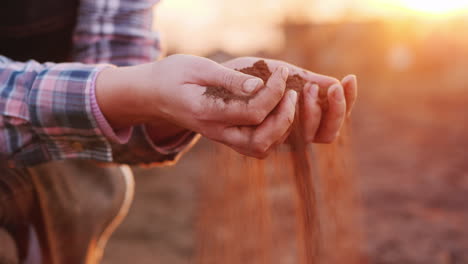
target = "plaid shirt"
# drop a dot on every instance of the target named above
(49, 111)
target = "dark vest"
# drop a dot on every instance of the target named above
(37, 29)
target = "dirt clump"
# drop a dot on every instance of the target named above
(260, 69)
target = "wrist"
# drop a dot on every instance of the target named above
(126, 96)
(117, 98)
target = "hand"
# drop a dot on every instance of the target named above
(318, 126)
(172, 91)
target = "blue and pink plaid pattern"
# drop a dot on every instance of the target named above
(45, 109)
(116, 31)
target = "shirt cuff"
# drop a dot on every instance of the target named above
(61, 114)
(175, 145)
(121, 136)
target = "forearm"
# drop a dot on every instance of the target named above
(124, 99)
(131, 41)
(117, 99)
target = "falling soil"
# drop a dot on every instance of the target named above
(238, 209)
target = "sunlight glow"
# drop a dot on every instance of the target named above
(433, 7)
(240, 27)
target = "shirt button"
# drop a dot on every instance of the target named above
(77, 146)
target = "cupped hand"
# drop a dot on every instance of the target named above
(318, 125)
(170, 94)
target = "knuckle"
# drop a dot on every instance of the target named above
(202, 63)
(228, 80)
(334, 81)
(260, 154)
(259, 146)
(256, 117)
(198, 111)
(278, 91)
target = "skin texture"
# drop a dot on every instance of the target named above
(167, 96)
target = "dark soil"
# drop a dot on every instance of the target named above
(259, 69)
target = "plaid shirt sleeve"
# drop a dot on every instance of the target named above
(49, 111)
(120, 32)
(45, 112)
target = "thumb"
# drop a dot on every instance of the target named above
(236, 82)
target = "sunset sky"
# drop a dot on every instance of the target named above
(245, 26)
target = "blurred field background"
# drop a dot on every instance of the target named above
(409, 129)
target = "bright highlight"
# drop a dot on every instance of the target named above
(436, 7)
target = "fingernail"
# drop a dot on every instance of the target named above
(349, 78)
(293, 97)
(313, 91)
(338, 93)
(251, 84)
(284, 72)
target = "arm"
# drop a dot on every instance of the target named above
(119, 30)
(45, 112)
(122, 34)
(46, 109)
(175, 89)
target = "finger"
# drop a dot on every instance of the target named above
(285, 136)
(236, 137)
(248, 152)
(334, 117)
(268, 98)
(321, 80)
(271, 131)
(238, 83)
(350, 91)
(250, 112)
(311, 112)
(257, 141)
